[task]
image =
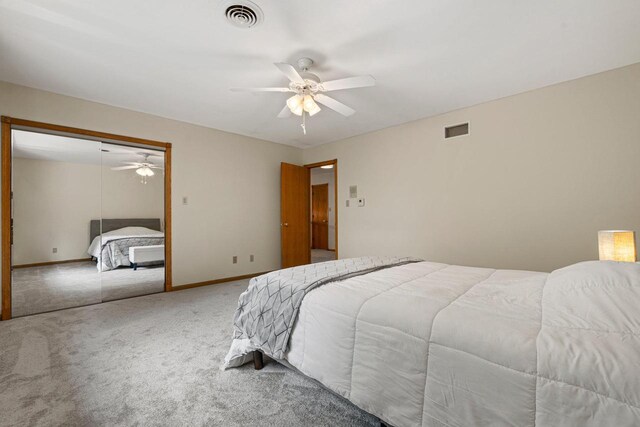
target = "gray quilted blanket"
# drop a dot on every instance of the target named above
(268, 309)
(115, 252)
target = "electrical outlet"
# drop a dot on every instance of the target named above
(185, 200)
(55, 250)
(250, 258)
(235, 259)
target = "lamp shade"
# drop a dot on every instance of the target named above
(310, 105)
(617, 245)
(295, 104)
(145, 171)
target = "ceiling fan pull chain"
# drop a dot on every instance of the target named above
(303, 125)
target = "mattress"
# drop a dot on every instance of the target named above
(111, 249)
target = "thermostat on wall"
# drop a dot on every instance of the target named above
(353, 191)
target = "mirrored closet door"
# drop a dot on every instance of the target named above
(87, 219)
(132, 234)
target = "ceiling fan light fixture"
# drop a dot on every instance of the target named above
(314, 110)
(294, 102)
(145, 171)
(310, 105)
(298, 110)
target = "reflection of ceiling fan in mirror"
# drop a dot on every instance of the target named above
(143, 168)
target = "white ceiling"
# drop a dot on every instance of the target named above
(178, 59)
(39, 146)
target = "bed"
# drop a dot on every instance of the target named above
(111, 239)
(428, 344)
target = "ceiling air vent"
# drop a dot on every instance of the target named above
(456, 130)
(243, 14)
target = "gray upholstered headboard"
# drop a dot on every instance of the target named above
(114, 224)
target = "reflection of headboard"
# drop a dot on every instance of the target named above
(114, 224)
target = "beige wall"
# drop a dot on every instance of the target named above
(124, 196)
(232, 182)
(55, 201)
(539, 174)
(325, 176)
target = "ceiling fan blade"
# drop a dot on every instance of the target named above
(261, 89)
(289, 71)
(156, 167)
(286, 112)
(348, 83)
(132, 163)
(334, 105)
(122, 168)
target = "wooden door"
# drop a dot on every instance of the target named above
(294, 215)
(320, 216)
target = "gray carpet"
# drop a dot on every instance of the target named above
(151, 360)
(54, 287)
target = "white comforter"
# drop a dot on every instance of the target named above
(431, 344)
(122, 233)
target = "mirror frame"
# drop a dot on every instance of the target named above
(9, 124)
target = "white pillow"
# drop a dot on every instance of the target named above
(131, 231)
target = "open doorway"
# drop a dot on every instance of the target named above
(297, 219)
(323, 245)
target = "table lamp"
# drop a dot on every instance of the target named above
(617, 245)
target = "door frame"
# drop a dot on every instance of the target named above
(333, 162)
(9, 124)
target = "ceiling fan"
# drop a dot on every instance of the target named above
(144, 168)
(309, 91)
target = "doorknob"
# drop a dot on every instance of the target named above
(286, 224)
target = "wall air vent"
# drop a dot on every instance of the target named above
(456, 130)
(243, 13)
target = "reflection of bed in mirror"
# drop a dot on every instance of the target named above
(62, 187)
(115, 242)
